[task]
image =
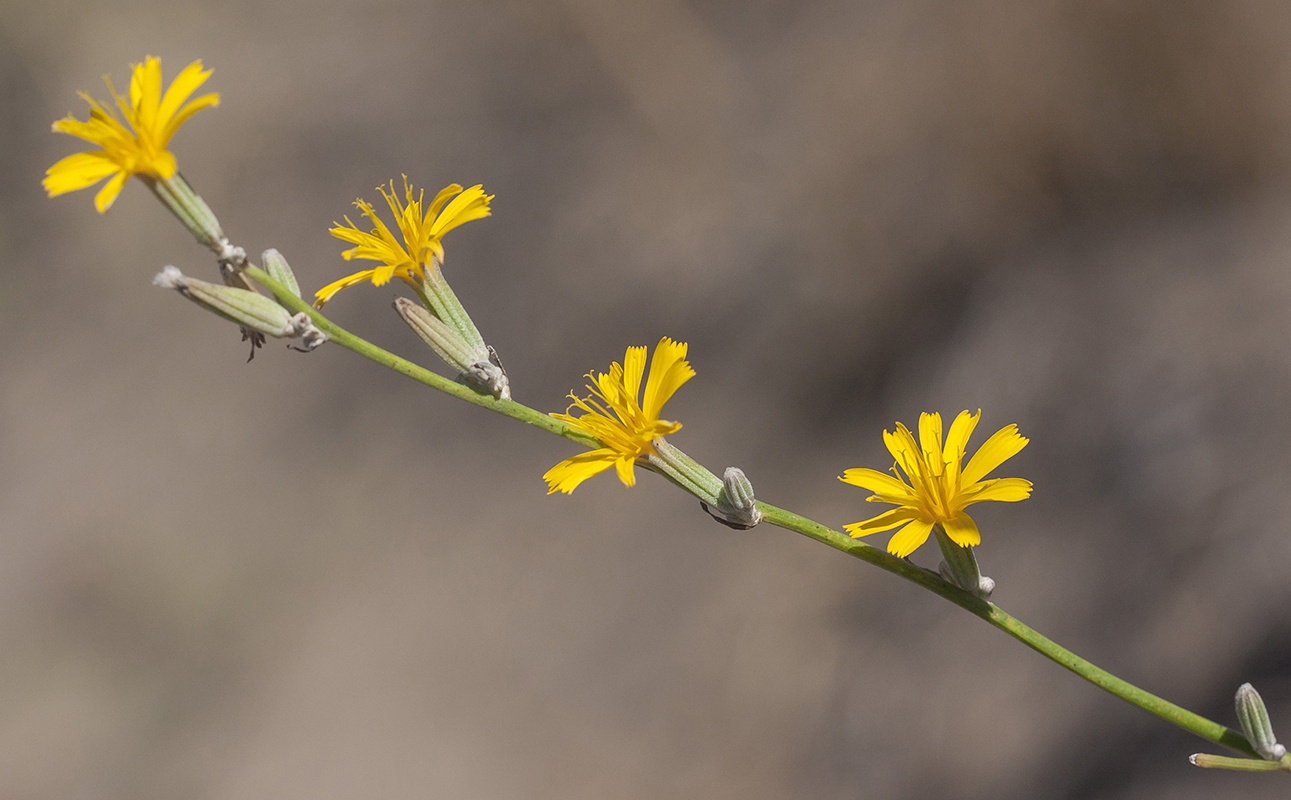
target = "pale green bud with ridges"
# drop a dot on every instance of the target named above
(477, 365)
(278, 269)
(736, 507)
(1254, 719)
(246, 308)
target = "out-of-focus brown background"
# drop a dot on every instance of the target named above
(307, 577)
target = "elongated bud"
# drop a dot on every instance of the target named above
(1254, 719)
(248, 309)
(277, 268)
(960, 566)
(186, 204)
(478, 367)
(735, 507)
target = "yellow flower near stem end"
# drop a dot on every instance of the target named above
(938, 488)
(138, 150)
(421, 234)
(612, 414)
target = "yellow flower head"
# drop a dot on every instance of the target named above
(421, 234)
(628, 433)
(137, 150)
(938, 490)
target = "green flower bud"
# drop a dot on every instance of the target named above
(251, 310)
(478, 367)
(1254, 719)
(277, 268)
(736, 506)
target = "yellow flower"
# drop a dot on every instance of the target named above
(153, 118)
(938, 491)
(421, 234)
(629, 433)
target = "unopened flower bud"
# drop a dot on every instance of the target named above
(736, 506)
(249, 309)
(477, 366)
(1254, 719)
(277, 268)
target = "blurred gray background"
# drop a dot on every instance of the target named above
(308, 577)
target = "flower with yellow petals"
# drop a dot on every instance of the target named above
(139, 149)
(613, 416)
(938, 490)
(420, 232)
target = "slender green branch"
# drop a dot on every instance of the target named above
(403, 366)
(1193, 723)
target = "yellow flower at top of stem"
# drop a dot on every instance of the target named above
(139, 149)
(935, 489)
(611, 413)
(419, 237)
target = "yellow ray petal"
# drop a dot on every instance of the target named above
(876, 481)
(470, 205)
(1005, 490)
(327, 292)
(962, 531)
(907, 540)
(668, 371)
(956, 444)
(883, 522)
(960, 430)
(184, 84)
(108, 194)
(205, 101)
(626, 473)
(1003, 445)
(163, 166)
(930, 439)
(432, 210)
(634, 362)
(78, 171)
(565, 476)
(145, 94)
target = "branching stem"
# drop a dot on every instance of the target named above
(993, 614)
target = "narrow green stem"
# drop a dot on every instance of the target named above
(403, 366)
(991, 613)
